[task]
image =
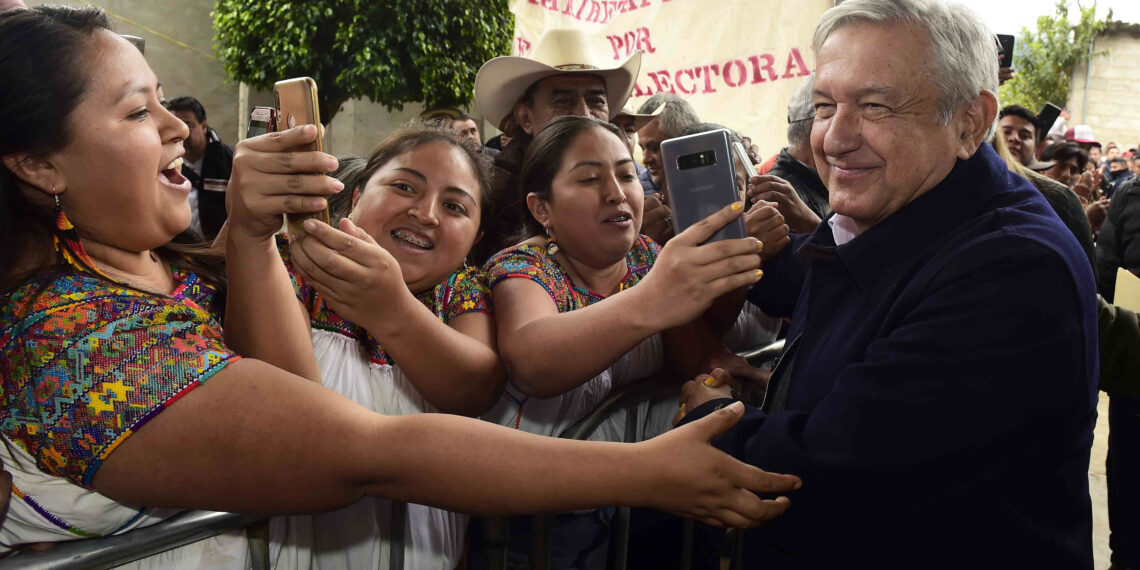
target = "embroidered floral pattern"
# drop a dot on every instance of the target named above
(464, 291)
(84, 363)
(532, 262)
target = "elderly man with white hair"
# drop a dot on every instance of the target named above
(938, 392)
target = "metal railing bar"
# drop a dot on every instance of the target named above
(178, 530)
(687, 533)
(763, 354)
(399, 523)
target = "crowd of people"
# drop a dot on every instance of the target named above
(940, 268)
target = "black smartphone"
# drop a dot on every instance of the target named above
(1005, 50)
(1045, 120)
(261, 120)
(702, 179)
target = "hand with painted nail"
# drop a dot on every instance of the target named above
(358, 278)
(269, 180)
(748, 379)
(688, 276)
(704, 388)
(721, 491)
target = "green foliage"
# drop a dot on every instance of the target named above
(1045, 59)
(390, 51)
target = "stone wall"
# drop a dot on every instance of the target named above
(1114, 91)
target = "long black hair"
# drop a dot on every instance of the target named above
(41, 61)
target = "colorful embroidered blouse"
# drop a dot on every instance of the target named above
(531, 262)
(85, 363)
(464, 291)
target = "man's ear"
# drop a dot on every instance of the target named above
(35, 171)
(975, 124)
(538, 208)
(524, 117)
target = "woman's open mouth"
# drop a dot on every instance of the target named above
(172, 176)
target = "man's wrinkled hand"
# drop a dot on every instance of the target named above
(796, 213)
(657, 220)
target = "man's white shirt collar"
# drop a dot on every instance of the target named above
(842, 228)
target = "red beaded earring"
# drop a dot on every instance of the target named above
(61, 221)
(68, 248)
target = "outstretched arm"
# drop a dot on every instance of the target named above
(577, 345)
(257, 439)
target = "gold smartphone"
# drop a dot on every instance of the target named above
(296, 101)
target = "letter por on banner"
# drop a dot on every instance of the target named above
(625, 44)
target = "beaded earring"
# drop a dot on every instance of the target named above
(551, 244)
(61, 222)
(69, 250)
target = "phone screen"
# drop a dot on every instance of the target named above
(256, 128)
(1005, 46)
(1046, 118)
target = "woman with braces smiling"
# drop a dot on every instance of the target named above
(373, 308)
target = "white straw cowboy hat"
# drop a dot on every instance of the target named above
(641, 120)
(503, 80)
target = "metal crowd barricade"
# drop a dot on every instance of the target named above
(192, 526)
(107, 552)
(628, 398)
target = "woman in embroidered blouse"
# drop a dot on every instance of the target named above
(400, 325)
(119, 389)
(571, 323)
(581, 305)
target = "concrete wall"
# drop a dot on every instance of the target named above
(1113, 109)
(179, 47)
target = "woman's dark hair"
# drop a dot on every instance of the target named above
(1066, 151)
(42, 63)
(417, 133)
(544, 158)
(348, 172)
(188, 103)
(34, 108)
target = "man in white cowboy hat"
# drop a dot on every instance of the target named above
(567, 73)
